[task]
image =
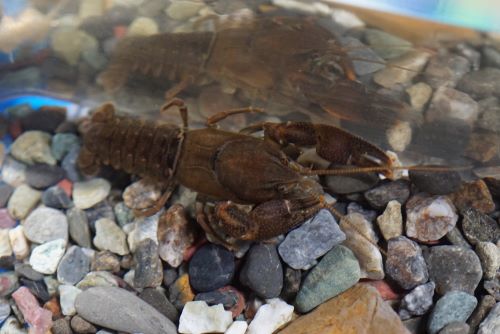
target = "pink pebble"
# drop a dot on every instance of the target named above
(67, 186)
(384, 289)
(39, 319)
(6, 221)
(120, 31)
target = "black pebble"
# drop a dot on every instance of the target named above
(55, 197)
(436, 183)
(41, 176)
(211, 267)
(46, 119)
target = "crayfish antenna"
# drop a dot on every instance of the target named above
(382, 169)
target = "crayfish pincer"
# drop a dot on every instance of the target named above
(227, 167)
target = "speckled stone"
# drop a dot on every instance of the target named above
(456, 238)
(148, 268)
(105, 261)
(142, 229)
(211, 267)
(455, 327)
(398, 73)
(46, 257)
(141, 194)
(79, 227)
(22, 201)
(74, 265)
(491, 324)
(381, 195)
(450, 104)
(46, 224)
(391, 221)
(489, 254)
(123, 214)
(482, 83)
(485, 305)
(417, 302)
(473, 195)
(8, 283)
(337, 271)
(453, 306)
(446, 70)
(33, 147)
(89, 193)
(109, 236)
(98, 278)
(405, 263)
(436, 183)
(479, 227)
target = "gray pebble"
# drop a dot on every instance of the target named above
(159, 301)
(148, 268)
(62, 143)
(491, 324)
(79, 227)
(46, 224)
(42, 176)
(55, 197)
(482, 83)
(417, 302)
(446, 70)
(73, 267)
(405, 263)
(453, 306)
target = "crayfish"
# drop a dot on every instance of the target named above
(228, 167)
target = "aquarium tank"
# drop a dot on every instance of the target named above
(258, 167)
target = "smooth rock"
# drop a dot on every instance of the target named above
(482, 83)
(446, 70)
(456, 238)
(33, 147)
(455, 327)
(175, 235)
(229, 297)
(120, 310)
(360, 309)
(105, 261)
(80, 325)
(39, 319)
(270, 317)
(8, 283)
(450, 104)
(22, 201)
(79, 227)
(489, 117)
(198, 317)
(482, 147)
(98, 278)
(89, 193)
(417, 302)
(42, 176)
(46, 257)
(12, 326)
(386, 45)
(6, 191)
(454, 268)
(19, 243)
(148, 268)
(405, 263)
(69, 43)
(262, 271)
(399, 135)
(479, 227)
(237, 327)
(429, 218)
(37, 288)
(4, 310)
(436, 183)
(25, 270)
(485, 305)
(453, 306)
(62, 143)
(182, 10)
(13, 172)
(101, 210)
(61, 326)
(159, 301)
(68, 294)
(367, 253)
(55, 197)
(337, 271)
(473, 195)
(6, 221)
(109, 236)
(143, 26)
(142, 229)
(419, 94)
(391, 221)
(74, 265)
(311, 240)
(489, 254)
(491, 323)
(141, 194)
(123, 214)
(381, 195)
(369, 61)
(211, 267)
(46, 224)
(5, 248)
(396, 71)
(69, 164)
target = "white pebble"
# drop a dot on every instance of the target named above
(89, 193)
(68, 295)
(22, 201)
(5, 248)
(109, 236)
(46, 257)
(399, 136)
(143, 26)
(182, 10)
(238, 327)
(197, 317)
(19, 242)
(270, 317)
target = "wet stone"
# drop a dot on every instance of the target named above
(446, 70)
(368, 214)
(198, 317)
(391, 221)
(69, 164)
(386, 45)
(417, 302)
(74, 265)
(46, 257)
(25, 270)
(5, 191)
(23, 200)
(98, 211)
(473, 195)
(8, 283)
(454, 268)
(479, 227)
(141, 195)
(33, 147)
(211, 267)
(429, 218)
(489, 118)
(37, 288)
(453, 306)
(405, 263)
(262, 271)
(123, 214)
(451, 104)
(455, 327)
(396, 72)
(79, 227)
(110, 237)
(399, 135)
(489, 255)
(89, 193)
(182, 10)
(379, 197)
(491, 323)
(436, 183)
(291, 284)
(62, 143)
(55, 197)
(482, 83)
(46, 224)
(180, 292)
(371, 61)
(159, 301)
(148, 268)
(485, 305)
(80, 325)
(105, 261)
(45, 119)
(311, 240)
(61, 326)
(347, 184)
(419, 94)
(483, 146)
(337, 271)
(456, 238)
(493, 287)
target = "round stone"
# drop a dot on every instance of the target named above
(55, 197)
(33, 147)
(396, 190)
(62, 143)
(453, 306)
(210, 268)
(46, 224)
(73, 267)
(417, 302)
(436, 183)
(489, 255)
(89, 193)
(46, 257)
(22, 201)
(405, 263)
(479, 227)
(108, 236)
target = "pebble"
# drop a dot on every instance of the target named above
(420, 93)
(89, 193)
(311, 240)
(13, 172)
(456, 238)
(479, 227)
(46, 224)
(489, 255)
(454, 268)
(229, 297)
(37, 288)
(394, 73)
(12, 326)
(180, 292)
(348, 184)
(74, 265)
(159, 301)
(429, 218)
(491, 323)
(489, 118)
(473, 195)
(105, 261)
(80, 325)
(148, 268)
(449, 104)
(62, 143)
(69, 164)
(485, 305)
(182, 10)
(19, 242)
(482, 147)
(367, 253)
(33, 147)
(417, 302)
(237, 327)
(4, 310)
(98, 305)
(482, 83)
(55, 197)
(386, 45)
(337, 271)
(391, 221)
(5, 248)
(45, 258)
(381, 195)
(141, 194)
(175, 235)
(399, 135)
(5, 191)
(61, 326)
(455, 327)
(358, 310)
(8, 283)
(446, 70)
(98, 278)
(123, 214)
(45, 119)
(210, 268)
(109, 236)
(79, 227)
(491, 56)
(370, 63)
(493, 287)
(405, 263)
(453, 306)
(291, 284)
(143, 26)
(262, 271)
(68, 294)
(25, 270)
(142, 229)
(270, 317)
(436, 183)
(69, 43)
(23, 200)
(100, 210)
(39, 319)
(198, 317)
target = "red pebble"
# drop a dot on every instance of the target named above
(384, 289)
(6, 221)
(39, 319)
(67, 186)
(120, 31)
(240, 303)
